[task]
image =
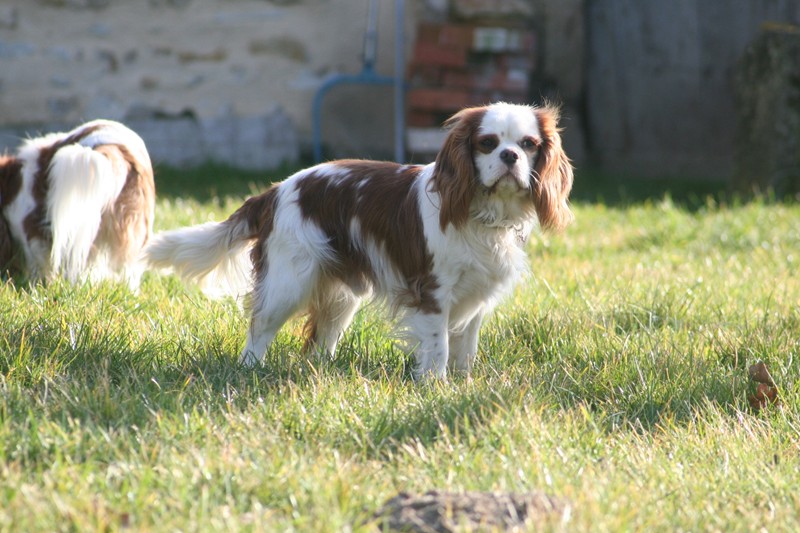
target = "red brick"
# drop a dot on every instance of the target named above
(457, 78)
(438, 99)
(449, 35)
(456, 35)
(423, 119)
(432, 54)
(428, 33)
(482, 98)
(424, 75)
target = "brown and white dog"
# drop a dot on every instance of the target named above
(77, 204)
(440, 243)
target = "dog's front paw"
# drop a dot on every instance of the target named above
(430, 375)
(249, 359)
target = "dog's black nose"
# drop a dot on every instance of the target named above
(509, 157)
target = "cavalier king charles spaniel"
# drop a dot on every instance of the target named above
(77, 204)
(440, 244)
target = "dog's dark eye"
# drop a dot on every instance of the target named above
(488, 143)
(528, 144)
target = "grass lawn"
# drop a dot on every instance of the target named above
(615, 378)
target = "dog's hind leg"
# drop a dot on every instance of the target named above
(279, 293)
(332, 309)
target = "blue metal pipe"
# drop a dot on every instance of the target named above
(399, 82)
(368, 76)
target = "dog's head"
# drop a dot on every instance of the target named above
(506, 149)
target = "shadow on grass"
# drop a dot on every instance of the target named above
(616, 190)
(100, 378)
(213, 180)
(632, 370)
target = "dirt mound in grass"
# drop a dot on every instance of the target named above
(445, 512)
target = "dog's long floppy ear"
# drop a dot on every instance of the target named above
(10, 182)
(552, 173)
(6, 248)
(454, 174)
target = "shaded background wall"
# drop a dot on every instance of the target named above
(659, 81)
(647, 85)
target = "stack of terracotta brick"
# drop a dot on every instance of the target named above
(456, 65)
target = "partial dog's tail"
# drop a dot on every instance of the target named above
(215, 254)
(83, 185)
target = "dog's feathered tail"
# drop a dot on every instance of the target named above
(215, 254)
(83, 185)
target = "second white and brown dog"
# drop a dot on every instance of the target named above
(440, 244)
(78, 204)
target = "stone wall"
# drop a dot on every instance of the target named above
(187, 66)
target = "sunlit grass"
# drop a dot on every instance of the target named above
(614, 378)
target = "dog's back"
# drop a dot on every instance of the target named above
(85, 203)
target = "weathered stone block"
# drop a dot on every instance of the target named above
(78, 4)
(61, 106)
(9, 18)
(16, 50)
(286, 47)
(179, 4)
(257, 142)
(253, 142)
(767, 85)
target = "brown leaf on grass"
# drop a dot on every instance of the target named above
(760, 374)
(765, 395)
(766, 391)
(771, 393)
